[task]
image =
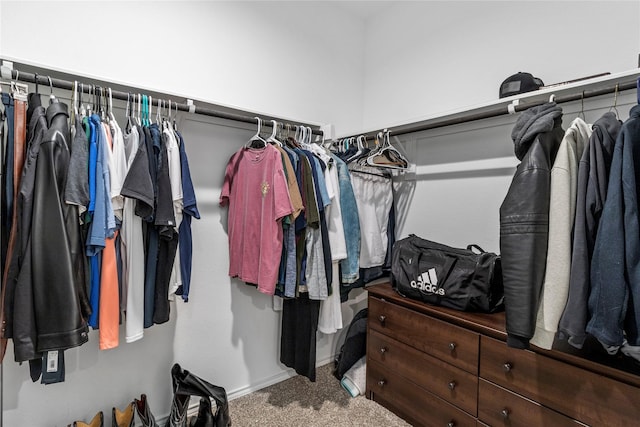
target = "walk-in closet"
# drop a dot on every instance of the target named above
(402, 100)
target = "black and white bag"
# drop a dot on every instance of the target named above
(462, 279)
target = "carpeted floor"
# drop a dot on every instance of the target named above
(299, 402)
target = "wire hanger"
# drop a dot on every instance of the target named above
(614, 107)
(52, 97)
(582, 108)
(256, 137)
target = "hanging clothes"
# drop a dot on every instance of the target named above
(189, 211)
(524, 216)
(614, 301)
(562, 208)
(593, 179)
(255, 190)
(138, 204)
(48, 280)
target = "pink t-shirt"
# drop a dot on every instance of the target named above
(255, 188)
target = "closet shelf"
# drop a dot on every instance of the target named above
(31, 73)
(569, 92)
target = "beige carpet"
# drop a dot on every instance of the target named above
(299, 402)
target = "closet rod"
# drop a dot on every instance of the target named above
(43, 80)
(499, 111)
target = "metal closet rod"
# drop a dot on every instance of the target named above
(498, 111)
(68, 85)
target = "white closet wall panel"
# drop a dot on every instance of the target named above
(426, 58)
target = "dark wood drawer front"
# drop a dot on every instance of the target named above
(447, 342)
(446, 381)
(588, 397)
(411, 401)
(500, 407)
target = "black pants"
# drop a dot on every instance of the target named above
(298, 339)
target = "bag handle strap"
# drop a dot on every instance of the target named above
(474, 246)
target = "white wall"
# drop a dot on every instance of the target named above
(424, 58)
(277, 58)
(280, 58)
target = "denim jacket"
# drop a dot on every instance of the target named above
(349, 267)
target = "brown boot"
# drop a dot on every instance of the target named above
(124, 418)
(97, 421)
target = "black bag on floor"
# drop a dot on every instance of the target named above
(355, 344)
(462, 279)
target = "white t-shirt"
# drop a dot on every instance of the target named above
(330, 319)
(117, 168)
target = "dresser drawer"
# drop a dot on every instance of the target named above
(447, 342)
(500, 407)
(580, 394)
(446, 381)
(412, 402)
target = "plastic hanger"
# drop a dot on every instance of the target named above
(256, 137)
(387, 156)
(139, 118)
(159, 111)
(111, 116)
(90, 105)
(272, 138)
(175, 123)
(127, 113)
(150, 112)
(552, 97)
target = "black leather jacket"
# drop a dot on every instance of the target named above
(524, 219)
(50, 289)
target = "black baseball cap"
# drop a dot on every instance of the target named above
(519, 83)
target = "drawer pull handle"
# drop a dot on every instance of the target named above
(505, 413)
(383, 350)
(382, 319)
(452, 346)
(451, 424)
(382, 382)
(452, 385)
(507, 367)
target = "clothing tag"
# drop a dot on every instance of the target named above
(52, 361)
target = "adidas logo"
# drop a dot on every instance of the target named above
(428, 282)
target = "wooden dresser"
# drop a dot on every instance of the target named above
(439, 367)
